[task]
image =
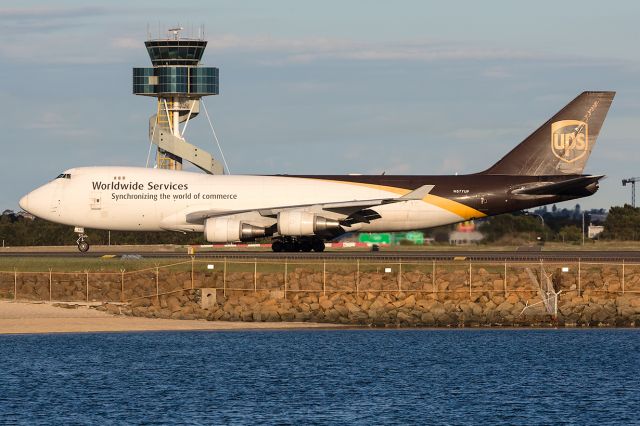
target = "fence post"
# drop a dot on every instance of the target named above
(122, 285)
(193, 259)
(15, 284)
(286, 272)
(157, 284)
(433, 276)
(86, 271)
(505, 279)
(622, 276)
(579, 282)
(357, 275)
(324, 277)
(541, 272)
(469, 280)
(50, 284)
(255, 274)
(224, 278)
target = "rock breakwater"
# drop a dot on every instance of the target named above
(408, 295)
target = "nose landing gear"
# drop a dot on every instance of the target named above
(293, 244)
(82, 243)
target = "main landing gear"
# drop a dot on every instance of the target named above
(83, 245)
(293, 244)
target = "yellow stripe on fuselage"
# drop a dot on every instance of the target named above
(454, 207)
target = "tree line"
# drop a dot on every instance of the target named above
(17, 229)
(622, 223)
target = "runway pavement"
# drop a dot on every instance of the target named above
(468, 255)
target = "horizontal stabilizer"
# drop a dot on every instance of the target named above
(558, 188)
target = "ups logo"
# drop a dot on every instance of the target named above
(569, 140)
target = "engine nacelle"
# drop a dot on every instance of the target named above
(297, 223)
(223, 230)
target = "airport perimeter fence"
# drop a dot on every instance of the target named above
(286, 278)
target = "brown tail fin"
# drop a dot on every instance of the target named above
(563, 144)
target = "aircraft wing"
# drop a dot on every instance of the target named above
(356, 211)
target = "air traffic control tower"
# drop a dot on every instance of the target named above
(178, 82)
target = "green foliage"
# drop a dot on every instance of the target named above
(623, 223)
(17, 230)
(570, 233)
(512, 226)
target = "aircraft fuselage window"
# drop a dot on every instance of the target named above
(64, 176)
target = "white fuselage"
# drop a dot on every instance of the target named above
(141, 199)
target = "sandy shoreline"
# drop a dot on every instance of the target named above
(34, 318)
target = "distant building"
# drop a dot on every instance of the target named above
(465, 238)
(594, 230)
(465, 233)
(594, 215)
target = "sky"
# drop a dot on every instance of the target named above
(331, 87)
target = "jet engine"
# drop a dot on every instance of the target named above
(224, 230)
(297, 223)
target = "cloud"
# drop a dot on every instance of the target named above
(126, 43)
(53, 122)
(49, 120)
(307, 87)
(46, 12)
(50, 35)
(47, 20)
(306, 50)
(497, 73)
(466, 133)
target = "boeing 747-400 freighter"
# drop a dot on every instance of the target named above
(301, 212)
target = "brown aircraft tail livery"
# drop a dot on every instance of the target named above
(562, 145)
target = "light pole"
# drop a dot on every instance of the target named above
(542, 220)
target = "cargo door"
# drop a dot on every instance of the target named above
(96, 201)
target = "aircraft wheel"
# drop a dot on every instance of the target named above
(291, 246)
(306, 246)
(277, 246)
(83, 246)
(318, 246)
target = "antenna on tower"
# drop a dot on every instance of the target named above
(176, 32)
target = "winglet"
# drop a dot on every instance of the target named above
(418, 194)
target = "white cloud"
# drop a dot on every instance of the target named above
(48, 12)
(53, 122)
(66, 41)
(466, 133)
(126, 43)
(306, 50)
(497, 73)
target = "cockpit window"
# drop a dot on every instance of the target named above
(64, 176)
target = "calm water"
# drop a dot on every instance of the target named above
(323, 377)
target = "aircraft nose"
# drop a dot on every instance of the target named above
(37, 202)
(24, 203)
